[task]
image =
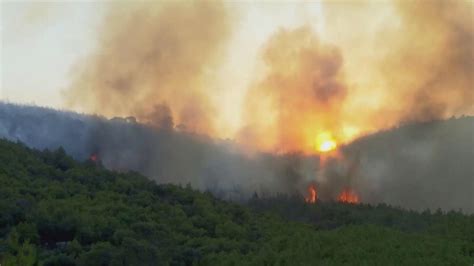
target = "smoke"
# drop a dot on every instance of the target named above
(418, 166)
(165, 155)
(408, 61)
(155, 61)
(300, 94)
(374, 66)
(431, 63)
(427, 165)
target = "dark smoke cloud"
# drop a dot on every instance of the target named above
(418, 166)
(300, 94)
(155, 61)
(434, 59)
(404, 61)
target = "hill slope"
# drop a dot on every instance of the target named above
(57, 211)
(165, 155)
(419, 166)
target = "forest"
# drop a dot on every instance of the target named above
(55, 210)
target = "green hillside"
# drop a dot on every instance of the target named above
(57, 211)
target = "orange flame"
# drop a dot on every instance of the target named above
(348, 196)
(312, 194)
(94, 157)
(325, 142)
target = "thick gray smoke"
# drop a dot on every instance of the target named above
(418, 166)
(163, 154)
(424, 165)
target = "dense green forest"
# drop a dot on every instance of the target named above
(57, 211)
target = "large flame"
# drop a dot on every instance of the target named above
(94, 157)
(348, 196)
(312, 194)
(325, 142)
(170, 64)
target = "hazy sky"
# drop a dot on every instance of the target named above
(42, 42)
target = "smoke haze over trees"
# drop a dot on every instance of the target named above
(57, 211)
(394, 166)
(160, 62)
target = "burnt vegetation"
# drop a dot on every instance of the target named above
(58, 211)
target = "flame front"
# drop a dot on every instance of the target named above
(312, 194)
(295, 85)
(325, 142)
(348, 196)
(94, 157)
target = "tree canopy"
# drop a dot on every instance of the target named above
(58, 211)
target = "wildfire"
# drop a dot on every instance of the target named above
(312, 194)
(348, 196)
(325, 142)
(94, 157)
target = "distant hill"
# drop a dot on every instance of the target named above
(417, 166)
(58, 211)
(163, 154)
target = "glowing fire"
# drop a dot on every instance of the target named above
(312, 194)
(348, 196)
(325, 142)
(94, 157)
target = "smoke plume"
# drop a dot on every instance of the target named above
(376, 65)
(411, 63)
(418, 166)
(433, 60)
(165, 155)
(300, 93)
(407, 61)
(154, 61)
